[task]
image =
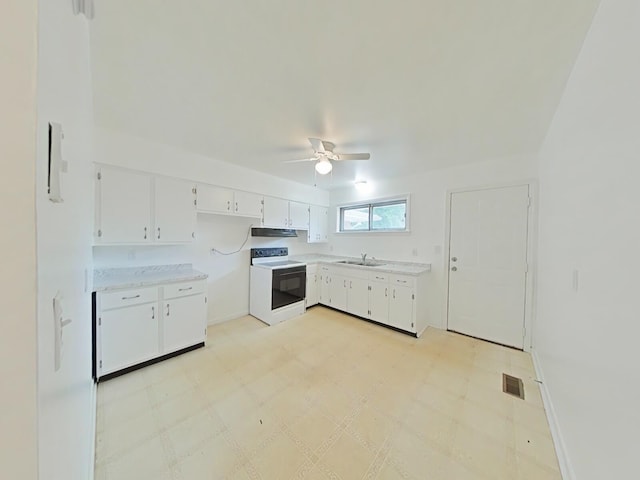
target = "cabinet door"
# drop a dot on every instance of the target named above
(317, 224)
(128, 336)
(401, 308)
(323, 225)
(276, 212)
(312, 287)
(175, 211)
(323, 291)
(379, 302)
(338, 288)
(123, 206)
(215, 199)
(247, 204)
(298, 216)
(183, 322)
(358, 297)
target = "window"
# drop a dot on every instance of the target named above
(379, 216)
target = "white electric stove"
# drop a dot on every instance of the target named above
(278, 285)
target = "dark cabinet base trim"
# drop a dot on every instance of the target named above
(390, 327)
(132, 368)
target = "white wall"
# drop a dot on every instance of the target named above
(228, 275)
(428, 211)
(586, 339)
(66, 398)
(18, 406)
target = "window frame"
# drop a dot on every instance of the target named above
(371, 204)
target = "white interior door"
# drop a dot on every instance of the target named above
(488, 263)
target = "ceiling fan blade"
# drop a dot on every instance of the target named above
(353, 156)
(316, 144)
(301, 160)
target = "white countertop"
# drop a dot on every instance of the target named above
(133, 277)
(388, 266)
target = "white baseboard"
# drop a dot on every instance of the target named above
(561, 449)
(226, 318)
(93, 405)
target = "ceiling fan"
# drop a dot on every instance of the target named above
(323, 155)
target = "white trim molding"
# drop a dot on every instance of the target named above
(566, 469)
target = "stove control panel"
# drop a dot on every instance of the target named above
(269, 252)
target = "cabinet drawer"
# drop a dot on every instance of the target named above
(379, 277)
(404, 280)
(183, 289)
(126, 298)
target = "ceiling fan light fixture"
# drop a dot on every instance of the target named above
(323, 166)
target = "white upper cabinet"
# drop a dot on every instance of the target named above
(123, 206)
(247, 204)
(298, 216)
(175, 210)
(140, 208)
(318, 224)
(213, 199)
(280, 213)
(276, 212)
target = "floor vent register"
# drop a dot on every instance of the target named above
(512, 386)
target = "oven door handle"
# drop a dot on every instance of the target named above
(289, 273)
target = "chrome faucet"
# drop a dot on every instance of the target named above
(364, 258)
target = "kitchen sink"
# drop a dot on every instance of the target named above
(361, 263)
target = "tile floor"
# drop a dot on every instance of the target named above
(325, 396)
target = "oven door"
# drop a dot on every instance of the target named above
(288, 285)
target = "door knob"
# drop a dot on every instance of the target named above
(454, 269)
(454, 259)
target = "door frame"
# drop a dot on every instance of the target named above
(532, 235)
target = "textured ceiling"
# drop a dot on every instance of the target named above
(420, 84)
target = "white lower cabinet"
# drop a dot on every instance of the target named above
(183, 317)
(128, 336)
(358, 296)
(338, 291)
(401, 308)
(379, 302)
(386, 298)
(134, 326)
(312, 292)
(323, 290)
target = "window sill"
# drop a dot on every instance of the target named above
(371, 232)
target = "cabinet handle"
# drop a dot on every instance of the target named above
(168, 312)
(379, 278)
(350, 284)
(158, 233)
(145, 233)
(153, 313)
(394, 293)
(344, 282)
(131, 298)
(385, 292)
(236, 206)
(185, 289)
(401, 281)
(228, 205)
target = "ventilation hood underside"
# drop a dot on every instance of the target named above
(273, 232)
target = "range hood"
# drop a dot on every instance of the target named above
(273, 232)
